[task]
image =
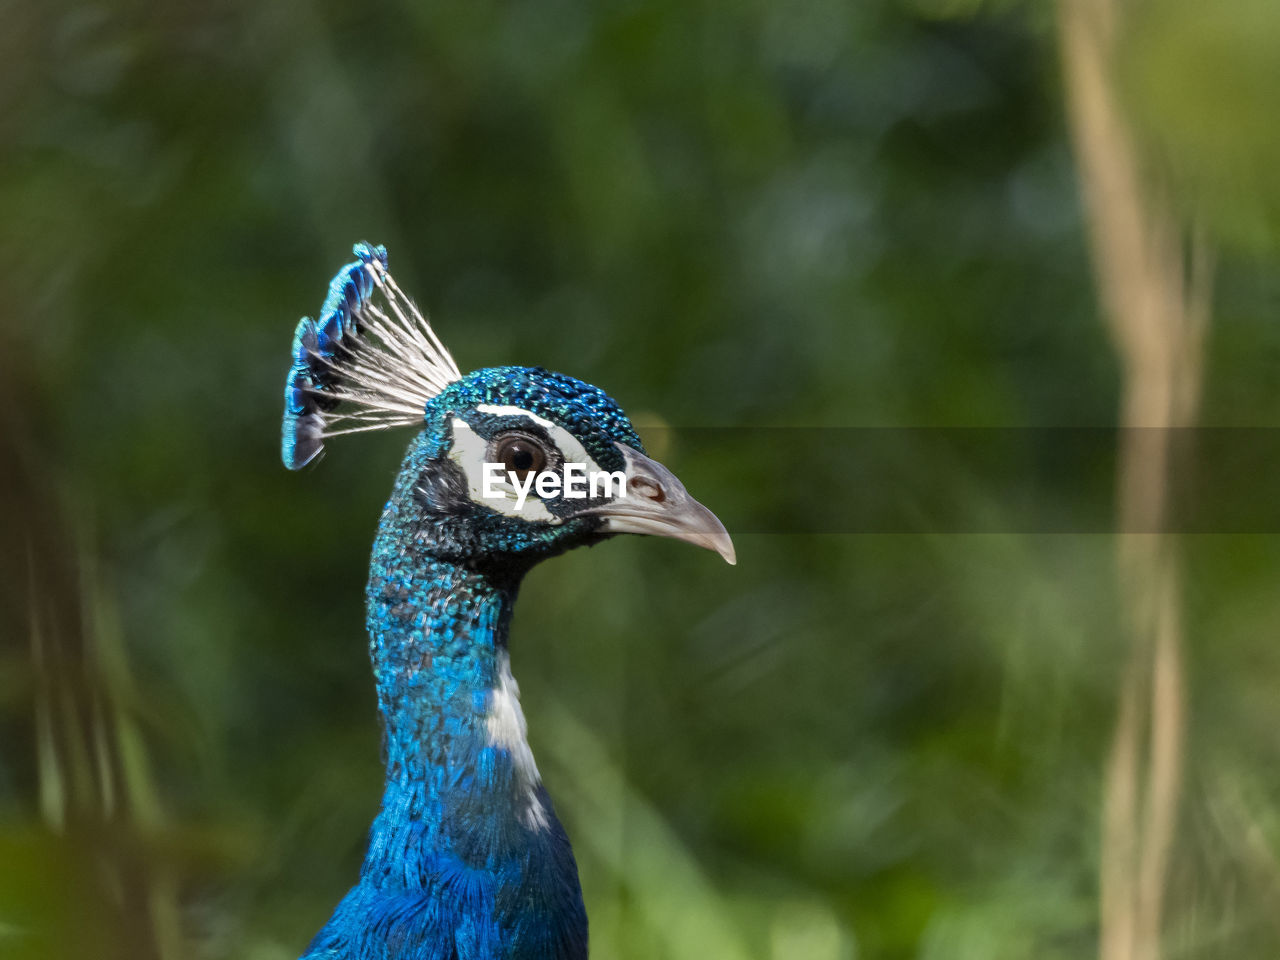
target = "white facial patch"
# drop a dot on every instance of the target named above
(508, 731)
(469, 451)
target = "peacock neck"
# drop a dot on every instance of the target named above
(460, 780)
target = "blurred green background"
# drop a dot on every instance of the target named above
(819, 213)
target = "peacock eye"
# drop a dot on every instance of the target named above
(520, 456)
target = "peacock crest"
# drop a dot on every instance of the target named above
(369, 362)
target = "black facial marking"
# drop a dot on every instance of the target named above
(491, 425)
(442, 488)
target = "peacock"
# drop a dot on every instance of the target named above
(466, 859)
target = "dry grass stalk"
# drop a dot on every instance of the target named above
(1157, 311)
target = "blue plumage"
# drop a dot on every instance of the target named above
(316, 344)
(466, 858)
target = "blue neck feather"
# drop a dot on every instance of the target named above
(466, 854)
(436, 633)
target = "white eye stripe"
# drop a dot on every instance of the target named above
(495, 410)
(570, 448)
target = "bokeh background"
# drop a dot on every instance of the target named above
(886, 740)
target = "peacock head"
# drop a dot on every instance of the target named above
(510, 464)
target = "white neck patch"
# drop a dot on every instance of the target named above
(508, 731)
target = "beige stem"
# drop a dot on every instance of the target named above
(1157, 317)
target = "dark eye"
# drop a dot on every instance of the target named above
(520, 455)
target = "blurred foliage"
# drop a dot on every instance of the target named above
(727, 214)
(1204, 87)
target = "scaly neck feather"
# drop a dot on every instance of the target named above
(461, 782)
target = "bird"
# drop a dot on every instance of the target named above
(466, 859)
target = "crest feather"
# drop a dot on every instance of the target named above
(369, 362)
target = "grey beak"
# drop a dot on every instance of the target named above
(656, 503)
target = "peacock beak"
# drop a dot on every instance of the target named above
(655, 502)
